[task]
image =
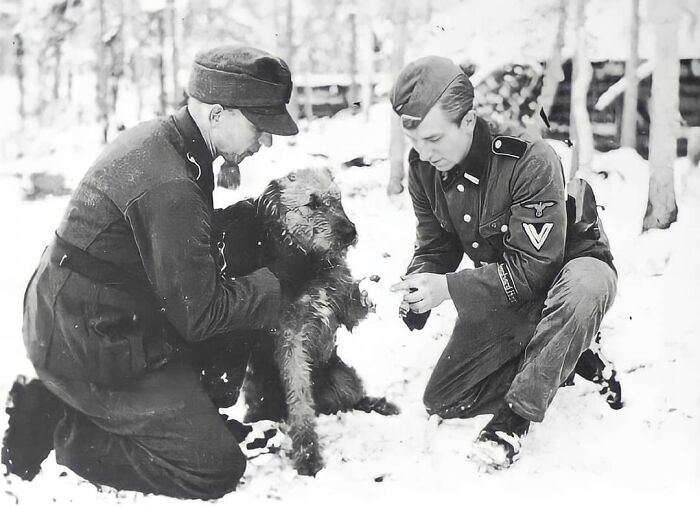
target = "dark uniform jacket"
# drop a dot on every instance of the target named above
(505, 206)
(145, 206)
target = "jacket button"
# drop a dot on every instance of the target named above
(460, 187)
(467, 217)
(475, 244)
(504, 228)
(498, 143)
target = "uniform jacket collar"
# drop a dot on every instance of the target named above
(476, 161)
(194, 149)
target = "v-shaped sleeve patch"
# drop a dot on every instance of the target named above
(538, 237)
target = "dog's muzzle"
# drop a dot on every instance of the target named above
(348, 235)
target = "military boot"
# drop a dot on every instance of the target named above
(593, 367)
(33, 412)
(498, 444)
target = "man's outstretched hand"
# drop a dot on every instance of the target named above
(422, 291)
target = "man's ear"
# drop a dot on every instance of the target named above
(215, 113)
(468, 121)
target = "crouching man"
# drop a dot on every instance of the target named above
(129, 286)
(541, 282)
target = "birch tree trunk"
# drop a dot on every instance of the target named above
(19, 70)
(582, 73)
(353, 95)
(291, 53)
(163, 94)
(101, 71)
(397, 143)
(367, 52)
(628, 137)
(554, 74)
(58, 53)
(175, 53)
(661, 208)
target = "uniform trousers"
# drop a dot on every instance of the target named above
(522, 354)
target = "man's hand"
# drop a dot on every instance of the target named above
(423, 291)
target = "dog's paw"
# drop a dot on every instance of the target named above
(379, 405)
(306, 455)
(369, 294)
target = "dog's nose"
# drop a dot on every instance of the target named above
(348, 233)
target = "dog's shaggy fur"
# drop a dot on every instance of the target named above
(298, 229)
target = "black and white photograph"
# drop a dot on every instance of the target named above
(344, 252)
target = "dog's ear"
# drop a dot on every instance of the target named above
(270, 203)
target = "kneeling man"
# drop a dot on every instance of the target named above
(541, 282)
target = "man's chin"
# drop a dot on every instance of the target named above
(444, 166)
(234, 158)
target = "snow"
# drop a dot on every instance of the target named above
(582, 454)
(467, 31)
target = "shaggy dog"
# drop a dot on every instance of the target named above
(299, 230)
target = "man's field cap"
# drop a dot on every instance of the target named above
(245, 78)
(419, 86)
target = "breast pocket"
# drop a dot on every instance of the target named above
(495, 228)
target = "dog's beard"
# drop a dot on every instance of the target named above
(229, 175)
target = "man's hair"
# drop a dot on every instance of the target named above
(457, 99)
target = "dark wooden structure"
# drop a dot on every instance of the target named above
(511, 93)
(607, 122)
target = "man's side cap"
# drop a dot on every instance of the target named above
(419, 86)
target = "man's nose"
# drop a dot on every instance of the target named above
(265, 139)
(424, 153)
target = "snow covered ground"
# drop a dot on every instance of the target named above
(582, 454)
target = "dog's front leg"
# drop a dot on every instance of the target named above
(295, 373)
(354, 307)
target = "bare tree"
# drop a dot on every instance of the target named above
(368, 44)
(101, 71)
(18, 42)
(291, 51)
(628, 136)
(353, 95)
(397, 144)
(582, 73)
(554, 73)
(163, 94)
(175, 52)
(661, 208)
(110, 61)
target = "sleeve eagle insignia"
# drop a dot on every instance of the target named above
(538, 233)
(539, 207)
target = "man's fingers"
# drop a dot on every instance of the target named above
(420, 307)
(413, 297)
(408, 283)
(401, 286)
